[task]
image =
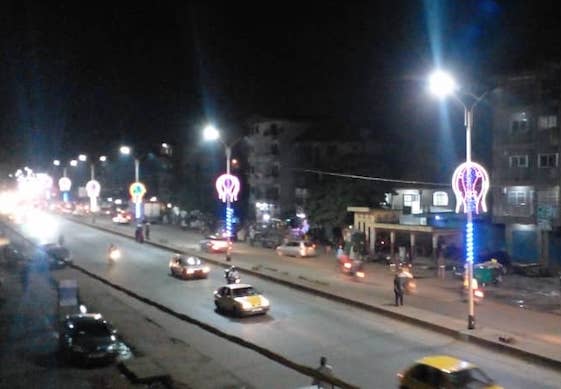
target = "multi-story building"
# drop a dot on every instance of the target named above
(270, 157)
(526, 174)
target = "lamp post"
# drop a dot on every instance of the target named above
(229, 183)
(136, 189)
(470, 180)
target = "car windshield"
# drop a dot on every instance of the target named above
(92, 328)
(470, 379)
(242, 292)
(191, 261)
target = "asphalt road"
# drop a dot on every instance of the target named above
(364, 349)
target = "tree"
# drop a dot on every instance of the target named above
(330, 197)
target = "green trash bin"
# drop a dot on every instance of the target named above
(483, 275)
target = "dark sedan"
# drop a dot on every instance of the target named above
(188, 267)
(88, 338)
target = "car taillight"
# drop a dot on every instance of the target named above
(347, 265)
(360, 274)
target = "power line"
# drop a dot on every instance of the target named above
(357, 177)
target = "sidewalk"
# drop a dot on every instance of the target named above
(437, 305)
(29, 338)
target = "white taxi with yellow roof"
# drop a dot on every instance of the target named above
(446, 372)
(240, 300)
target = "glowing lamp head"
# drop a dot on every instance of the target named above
(82, 158)
(211, 133)
(102, 158)
(56, 162)
(441, 84)
(125, 150)
(73, 163)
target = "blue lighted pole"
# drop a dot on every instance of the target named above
(442, 84)
(211, 133)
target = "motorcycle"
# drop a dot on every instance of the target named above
(114, 254)
(352, 268)
(232, 277)
(409, 284)
(478, 294)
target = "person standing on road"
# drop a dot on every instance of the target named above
(326, 369)
(398, 289)
(147, 230)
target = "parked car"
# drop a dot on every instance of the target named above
(240, 300)
(57, 256)
(122, 218)
(188, 267)
(442, 371)
(297, 249)
(214, 244)
(88, 338)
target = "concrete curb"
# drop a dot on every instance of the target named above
(462, 335)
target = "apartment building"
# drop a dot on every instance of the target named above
(526, 174)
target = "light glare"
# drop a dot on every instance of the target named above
(211, 133)
(441, 84)
(126, 150)
(73, 163)
(82, 157)
(56, 162)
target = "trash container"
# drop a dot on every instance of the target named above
(483, 275)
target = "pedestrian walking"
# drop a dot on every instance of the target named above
(398, 289)
(325, 369)
(147, 230)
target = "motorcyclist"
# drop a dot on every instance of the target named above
(110, 251)
(231, 274)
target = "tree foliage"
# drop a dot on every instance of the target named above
(330, 197)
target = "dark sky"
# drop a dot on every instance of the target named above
(84, 77)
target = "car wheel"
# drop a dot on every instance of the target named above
(217, 306)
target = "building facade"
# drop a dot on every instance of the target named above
(526, 174)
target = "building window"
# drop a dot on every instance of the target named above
(440, 199)
(547, 160)
(518, 161)
(517, 198)
(547, 121)
(301, 193)
(409, 199)
(519, 123)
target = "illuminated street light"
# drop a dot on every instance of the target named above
(73, 163)
(102, 158)
(82, 158)
(125, 150)
(441, 84)
(56, 162)
(231, 183)
(211, 133)
(470, 180)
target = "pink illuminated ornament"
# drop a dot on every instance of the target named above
(228, 187)
(470, 183)
(93, 188)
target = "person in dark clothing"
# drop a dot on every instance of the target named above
(398, 289)
(147, 230)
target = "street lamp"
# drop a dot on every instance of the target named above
(470, 180)
(126, 150)
(211, 133)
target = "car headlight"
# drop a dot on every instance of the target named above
(111, 347)
(206, 269)
(190, 271)
(264, 302)
(245, 305)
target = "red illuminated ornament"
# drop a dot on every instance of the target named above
(228, 187)
(470, 183)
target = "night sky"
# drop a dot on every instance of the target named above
(84, 77)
